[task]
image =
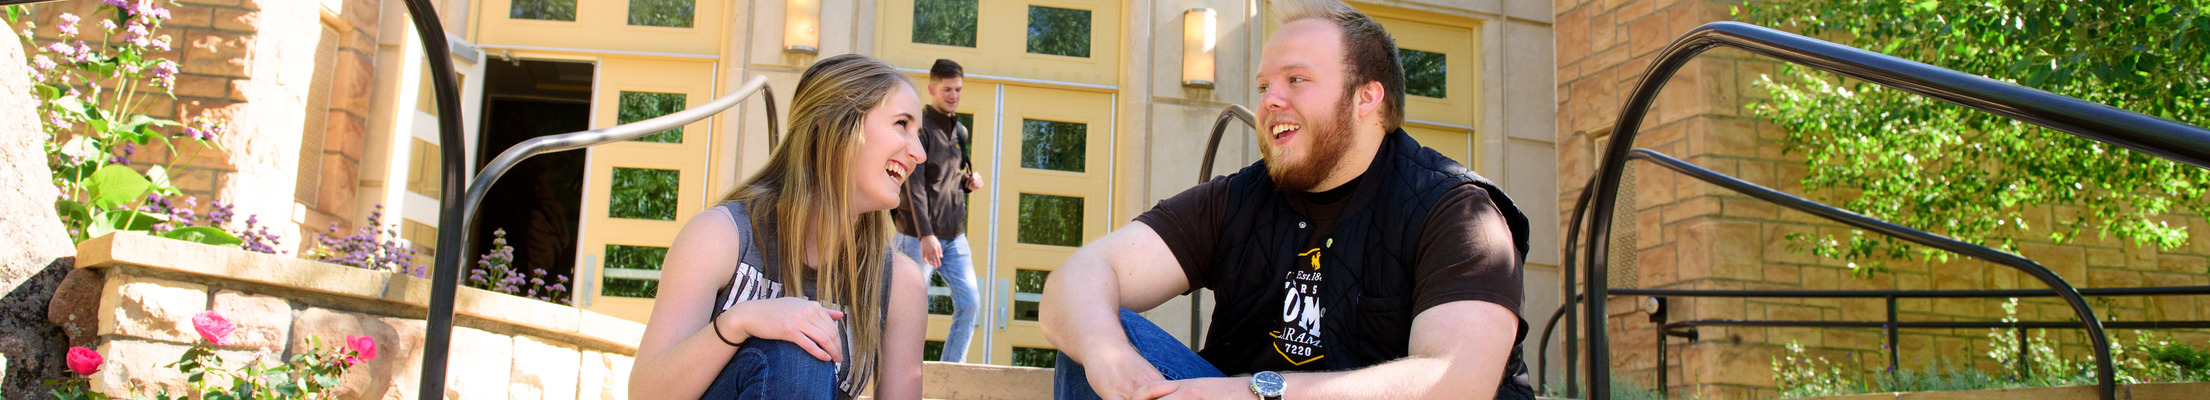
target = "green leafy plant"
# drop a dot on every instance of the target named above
(309, 375)
(91, 96)
(1800, 374)
(1976, 176)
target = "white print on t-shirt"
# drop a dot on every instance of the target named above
(1298, 341)
(749, 285)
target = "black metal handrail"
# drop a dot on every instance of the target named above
(2151, 135)
(458, 205)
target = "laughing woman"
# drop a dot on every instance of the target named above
(787, 289)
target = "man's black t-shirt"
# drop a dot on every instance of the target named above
(1466, 253)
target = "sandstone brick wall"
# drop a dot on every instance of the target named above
(253, 63)
(504, 347)
(1688, 234)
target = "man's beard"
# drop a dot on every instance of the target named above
(1329, 143)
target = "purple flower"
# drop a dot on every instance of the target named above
(62, 49)
(43, 63)
(136, 34)
(161, 43)
(68, 24)
(107, 24)
(124, 4)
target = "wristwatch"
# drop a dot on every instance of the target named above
(1268, 385)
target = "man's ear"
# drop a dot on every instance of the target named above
(1370, 97)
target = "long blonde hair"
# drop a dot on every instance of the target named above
(804, 188)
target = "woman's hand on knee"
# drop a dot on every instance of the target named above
(796, 320)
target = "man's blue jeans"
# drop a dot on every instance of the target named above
(773, 369)
(959, 273)
(1173, 360)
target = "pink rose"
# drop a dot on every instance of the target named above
(84, 361)
(213, 327)
(363, 347)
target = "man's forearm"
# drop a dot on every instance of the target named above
(1075, 316)
(1409, 378)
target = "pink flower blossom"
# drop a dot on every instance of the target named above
(42, 62)
(213, 327)
(161, 43)
(84, 361)
(62, 49)
(68, 24)
(107, 24)
(363, 347)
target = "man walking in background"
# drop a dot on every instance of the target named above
(932, 217)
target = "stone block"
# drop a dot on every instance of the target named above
(151, 308)
(972, 381)
(481, 364)
(75, 306)
(216, 53)
(263, 321)
(543, 370)
(2043, 393)
(403, 373)
(1655, 266)
(136, 367)
(340, 177)
(352, 83)
(605, 376)
(213, 87)
(238, 20)
(189, 16)
(1573, 37)
(330, 329)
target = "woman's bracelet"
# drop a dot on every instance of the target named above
(715, 321)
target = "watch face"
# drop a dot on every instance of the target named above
(1267, 384)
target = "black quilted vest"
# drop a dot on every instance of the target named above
(1367, 294)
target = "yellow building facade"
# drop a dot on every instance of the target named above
(1081, 112)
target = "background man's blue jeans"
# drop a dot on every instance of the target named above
(773, 369)
(1173, 360)
(959, 273)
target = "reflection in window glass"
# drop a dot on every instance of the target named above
(644, 193)
(1033, 357)
(932, 350)
(1425, 73)
(639, 106)
(669, 13)
(1059, 31)
(1050, 220)
(944, 22)
(1028, 288)
(939, 304)
(1054, 145)
(549, 10)
(631, 258)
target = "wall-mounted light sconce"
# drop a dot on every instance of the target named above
(1200, 31)
(802, 26)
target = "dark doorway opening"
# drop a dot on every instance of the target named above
(539, 202)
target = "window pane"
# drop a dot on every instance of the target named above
(1052, 220)
(939, 304)
(1425, 73)
(944, 22)
(622, 257)
(1028, 285)
(1059, 31)
(1032, 357)
(549, 10)
(644, 193)
(669, 13)
(932, 350)
(639, 106)
(1054, 145)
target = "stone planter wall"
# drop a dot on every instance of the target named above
(143, 292)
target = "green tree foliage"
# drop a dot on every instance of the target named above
(944, 22)
(1972, 175)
